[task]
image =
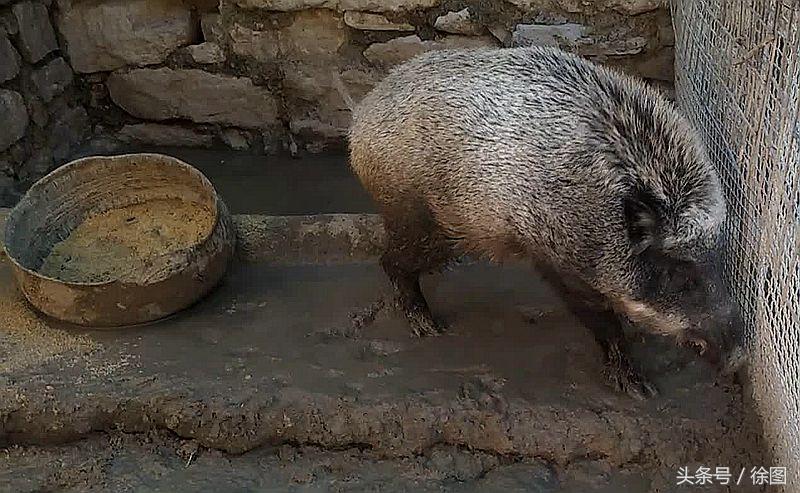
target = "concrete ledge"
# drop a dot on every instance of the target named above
(315, 239)
(292, 240)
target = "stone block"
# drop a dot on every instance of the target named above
(636, 7)
(314, 37)
(52, 79)
(13, 118)
(104, 36)
(459, 22)
(206, 53)
(261, 46)
(376, 6)
(163, 135)
(367, 21)
(36, 38)
(399, 50)
(202, 97)
(547, 35)
(9, 59)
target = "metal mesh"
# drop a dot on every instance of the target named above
(738, 80)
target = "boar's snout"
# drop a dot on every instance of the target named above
(720, 339)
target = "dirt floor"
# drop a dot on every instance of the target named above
(267, 386)
(279, 382)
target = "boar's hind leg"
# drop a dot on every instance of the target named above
(414, 246)
(591, 309)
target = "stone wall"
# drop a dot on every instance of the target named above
(264, 75)
(40, 118)
(261, 74)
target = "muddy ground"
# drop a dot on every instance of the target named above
(267, 386)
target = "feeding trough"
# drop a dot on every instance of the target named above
(116, 241)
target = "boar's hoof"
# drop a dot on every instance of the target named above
(423, 325)
(624, 378)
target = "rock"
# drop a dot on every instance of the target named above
(464, 42)
(547, 35)
(205, 6)
(103, 144)
(395, 51)
(317, 110)
(375, 6)
(36, 36)
(17, 152)
(9, 59)
(9, 195)
(310, 83)
(636, 7)
(235, 139)
(501, 33)
(358, 82)
(315, 84)
(70, 126)
(373, 22)
(531, 5)
(387, 5)
(162, 94)
(287, 5)
(52, 79)
(573, 6)
(39, 164)
(315, 128)
(8, 23)
(600, 47)
(550, 18)
(261, 46)
(211, 25)
(37, 111)
(401, 49)
(108, 35)
(163, 135)
(458, 23)
(314, 36)
(206, 53)
(13, 118)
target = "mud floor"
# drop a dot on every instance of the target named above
(268, 385)
(122, 243)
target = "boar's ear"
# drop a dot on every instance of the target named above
(642, 220)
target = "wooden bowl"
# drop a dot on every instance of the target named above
(154, 190)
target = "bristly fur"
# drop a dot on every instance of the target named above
(536, 152)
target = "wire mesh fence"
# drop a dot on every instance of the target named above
(738, 80)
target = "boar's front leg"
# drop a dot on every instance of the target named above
(619, 372)
(592, 310)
